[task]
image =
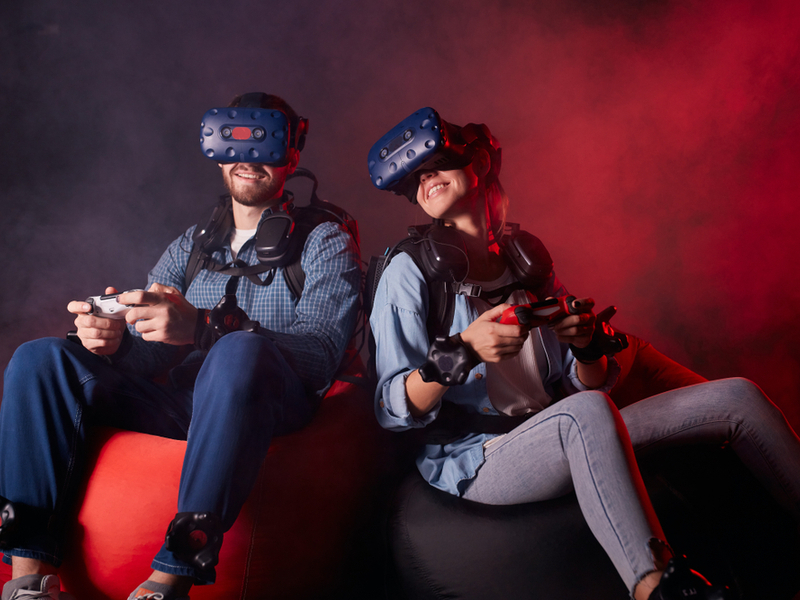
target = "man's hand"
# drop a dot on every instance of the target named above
(576, 329)
(162, 314)
(493, 341)
(98, 335)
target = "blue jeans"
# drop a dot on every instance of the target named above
(584, 444)
(56, 390)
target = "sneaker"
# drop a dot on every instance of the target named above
(680, 582)
(150, 590)
(30, 587)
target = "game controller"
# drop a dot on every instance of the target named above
(538, 313)
(108, 307)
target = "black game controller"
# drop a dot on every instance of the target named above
(538, 313)
(108, 307)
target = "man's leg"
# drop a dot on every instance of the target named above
(52, 389)
(245, 394)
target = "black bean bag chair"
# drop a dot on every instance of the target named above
(711, 508)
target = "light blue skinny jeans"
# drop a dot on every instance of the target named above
(583, 443)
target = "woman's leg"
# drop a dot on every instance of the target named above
(729, 411)
(579, 443)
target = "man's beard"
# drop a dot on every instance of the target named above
(253, 195)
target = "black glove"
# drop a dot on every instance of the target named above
(605, 341)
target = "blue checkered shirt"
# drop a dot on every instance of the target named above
(311, 332)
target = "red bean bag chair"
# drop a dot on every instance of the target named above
(296, 536)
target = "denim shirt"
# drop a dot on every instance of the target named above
(311, 332)
(398, 322)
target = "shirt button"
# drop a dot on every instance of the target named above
(485, 409)
(381, 403)
(478, 375)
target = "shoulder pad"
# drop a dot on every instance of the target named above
(527, 257)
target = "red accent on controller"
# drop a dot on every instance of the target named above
(539, 313)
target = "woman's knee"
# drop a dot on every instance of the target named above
(591, 406)
(746, 399)
(732, 393)
(595, 411)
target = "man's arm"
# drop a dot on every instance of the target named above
(155, 353)
(326, 312)
(99, 335)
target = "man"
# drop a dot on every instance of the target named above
(228, 347)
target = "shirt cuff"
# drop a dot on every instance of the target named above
(395, 403)
(612, 375)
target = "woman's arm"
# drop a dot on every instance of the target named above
(578, 330)
(593, 375)
(401, 343)
(422, 396)
(486, 339)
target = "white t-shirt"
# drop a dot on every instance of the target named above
(515, 385)
(238, 238)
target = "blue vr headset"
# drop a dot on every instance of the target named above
(249, 133)
(424, 141)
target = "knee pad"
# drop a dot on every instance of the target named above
(195, 538)
(8, 522)
(18, 521)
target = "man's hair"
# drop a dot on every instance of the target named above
(269, 101)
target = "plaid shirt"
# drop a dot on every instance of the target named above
(311, 332)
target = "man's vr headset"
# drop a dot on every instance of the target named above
(423, 142)
(249, 133)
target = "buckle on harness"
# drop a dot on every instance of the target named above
(465, 289)
(195, 538)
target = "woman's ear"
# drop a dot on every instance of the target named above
(481, 163)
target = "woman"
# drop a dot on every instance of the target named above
(578, 443)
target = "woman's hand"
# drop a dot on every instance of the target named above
(492, 341)
(488, 339)
(576, 329)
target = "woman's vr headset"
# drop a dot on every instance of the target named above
(423, 142)
(249, 133)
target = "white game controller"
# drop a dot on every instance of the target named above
(108, 307)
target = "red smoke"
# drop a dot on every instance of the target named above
(658, 159)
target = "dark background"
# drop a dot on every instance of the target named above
(652, 145)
